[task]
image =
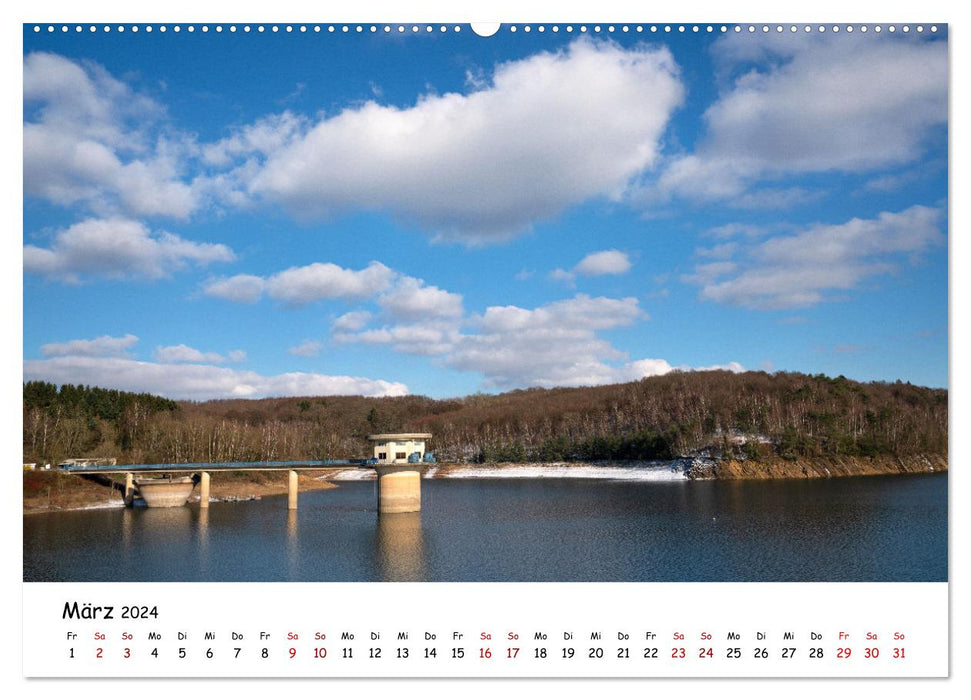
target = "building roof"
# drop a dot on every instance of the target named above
(399, 436)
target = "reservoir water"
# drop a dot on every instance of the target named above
(890, 528)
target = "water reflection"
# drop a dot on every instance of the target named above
(400, 547)
(293, 544)
(202, 530)
(292, 526)
(868, 529)
(170, 521)
(127, 529)
(145, 527)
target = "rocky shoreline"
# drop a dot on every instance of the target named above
(816, 468)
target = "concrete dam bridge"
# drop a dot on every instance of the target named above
(397, 459)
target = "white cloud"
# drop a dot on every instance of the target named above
(800, 270)
(632, 371)
(411, 299)
(735, 230)
(512, 347)
(556, 357)
(237, 355)
(815, 103)
(552, 345)
(263, 137)
(604, 262)
(708, 272)
(420, 319)
(183, 353)
(767, 198)
(565, 276)
(84, 98)
(546, 359)
(435, 337)
(521, 145)
(893, 182)
(244, 289)
(423, 320)
(483, 166)
(351, 321)
(717, 252)
(402, 298)
(102, 346)
(199, 381)
(301, 285)
(118, 248)
(639, 369)
(308, 348)
(90, 139)
(730, 367)
(298, 286)
(582, 311)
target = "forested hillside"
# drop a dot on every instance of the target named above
(73, 421)
(752, 414)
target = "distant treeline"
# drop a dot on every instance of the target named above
(71, 421)
(751, 414)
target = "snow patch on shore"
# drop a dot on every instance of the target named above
(351, 474)
(99, 506)
(654, 471)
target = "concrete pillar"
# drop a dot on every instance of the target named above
(129, 488)
(292, 491)
(204, 490)
(399, 490)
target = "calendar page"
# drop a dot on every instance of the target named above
(542, 349)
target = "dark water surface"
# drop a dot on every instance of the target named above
(852, 529)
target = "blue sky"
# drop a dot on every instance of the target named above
(244, 215)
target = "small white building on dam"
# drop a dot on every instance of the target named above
(399, 448)
(398, 457)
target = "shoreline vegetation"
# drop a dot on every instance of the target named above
(723, 425)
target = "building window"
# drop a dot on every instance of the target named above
(400, 455)
(382, 455)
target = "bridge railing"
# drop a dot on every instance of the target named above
(219, 466)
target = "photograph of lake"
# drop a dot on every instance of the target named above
(519, 303)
